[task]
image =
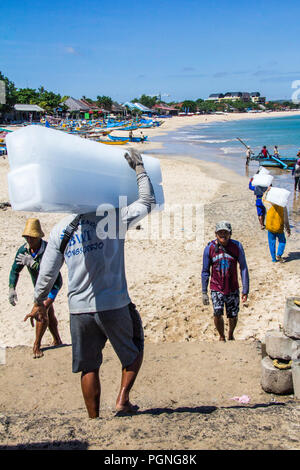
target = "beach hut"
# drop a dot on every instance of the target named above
(27, 112)
(76, 107)
(165, 109)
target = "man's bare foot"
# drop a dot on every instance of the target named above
(56, 342)
(222, 338)
(126, 408)
(230, 338)
(37, 353)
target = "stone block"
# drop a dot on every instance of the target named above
(291, 320)
(278, 345)
(2, 355)
(295, 349)
(274, 380)
(296, 378)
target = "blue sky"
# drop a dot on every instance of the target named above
(184, 49)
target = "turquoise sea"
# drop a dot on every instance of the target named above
(217, 142)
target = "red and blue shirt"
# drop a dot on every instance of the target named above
(220, 266)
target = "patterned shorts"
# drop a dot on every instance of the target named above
(231, 302)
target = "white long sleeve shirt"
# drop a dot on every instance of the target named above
(94, 258)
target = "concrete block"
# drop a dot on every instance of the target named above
(295, 349)
(296, 377)
(291, 320)
(278, 345)
(273, 380)
(2, 355)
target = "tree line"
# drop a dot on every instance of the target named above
(51, 102)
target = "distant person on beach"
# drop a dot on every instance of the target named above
(276, 151)
(99, 303)
(248, 155)
(260, 208)
(296, 173)
(264, 152)
(142, 137)
(30, 255)
(220, 260)
(130, 136)
(277, 221)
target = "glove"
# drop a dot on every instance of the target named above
(134, 158)
(205, 299)
(26, 259)
(12, 296)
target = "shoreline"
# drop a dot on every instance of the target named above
(178, 122)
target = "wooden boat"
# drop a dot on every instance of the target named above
(132, 139)
(129, 128)
(275, 162)
(112, 142)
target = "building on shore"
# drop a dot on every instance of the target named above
(24, 113)
(237, 96)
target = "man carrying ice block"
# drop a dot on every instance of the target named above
(100, 307)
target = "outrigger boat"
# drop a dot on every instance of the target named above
(275, 162)
(112, 142)
(272, 161)
(132, 139)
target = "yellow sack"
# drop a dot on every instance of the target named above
(275, 219)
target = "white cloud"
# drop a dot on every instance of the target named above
(70, 50)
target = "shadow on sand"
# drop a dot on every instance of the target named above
(199, 409)
(50, 445)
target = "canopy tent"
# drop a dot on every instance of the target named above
(28, 108)
(138, 106)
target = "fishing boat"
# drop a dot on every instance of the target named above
(275, 162)
(132, 139)
(112, 142)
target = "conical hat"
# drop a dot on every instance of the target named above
(33, 229)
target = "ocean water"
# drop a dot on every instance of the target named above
(217, 142)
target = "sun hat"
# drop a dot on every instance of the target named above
(223, 225)
(33, 229)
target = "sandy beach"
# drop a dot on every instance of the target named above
(188, 379)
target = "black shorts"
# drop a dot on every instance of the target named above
(90, 331)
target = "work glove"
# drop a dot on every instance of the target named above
(12, 296)
(134, 160)
(205, 299)
(25, 259)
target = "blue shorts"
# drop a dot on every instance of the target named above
(260, 208)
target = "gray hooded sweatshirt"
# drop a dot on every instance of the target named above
(94, 255)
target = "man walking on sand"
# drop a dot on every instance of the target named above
(220, 260)
(248, 154)
(100, 307)
(30, 254)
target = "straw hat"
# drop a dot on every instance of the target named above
(33, 229)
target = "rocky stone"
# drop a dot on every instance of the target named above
(296, 377)
(280, 346)
(291, 321)
(274, 380)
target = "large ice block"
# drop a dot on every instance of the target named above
(52, 171)
(278, 196)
